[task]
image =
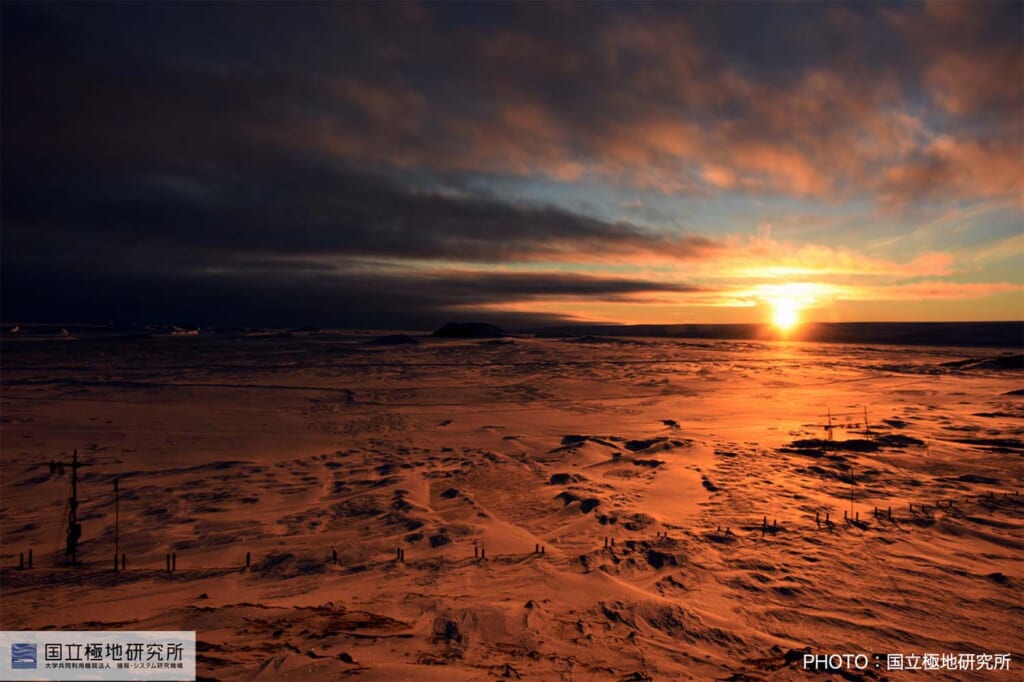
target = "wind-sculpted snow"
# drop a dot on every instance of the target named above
(540, 508)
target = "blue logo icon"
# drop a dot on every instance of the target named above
(23, 656)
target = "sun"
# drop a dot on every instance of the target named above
(785, 313)
(787, 302)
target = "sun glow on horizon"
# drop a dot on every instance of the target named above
(785, 314)
(788, 301)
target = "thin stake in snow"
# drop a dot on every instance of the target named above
(117, 519)
(851, 488)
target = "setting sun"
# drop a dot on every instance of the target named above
(788, 301)
(785, 313)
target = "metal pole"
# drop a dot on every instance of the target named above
(73, 531)
(117, 519)
(851, 490)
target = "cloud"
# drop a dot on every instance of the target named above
(287, 204)
(244, 156)
(663, 97)
(970, 57)
(654, 106)
(762, 257)
(295, 239)
(963, 167)
(936, 289)
(255, 293)
(491, 287)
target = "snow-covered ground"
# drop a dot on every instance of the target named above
(644, 469)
